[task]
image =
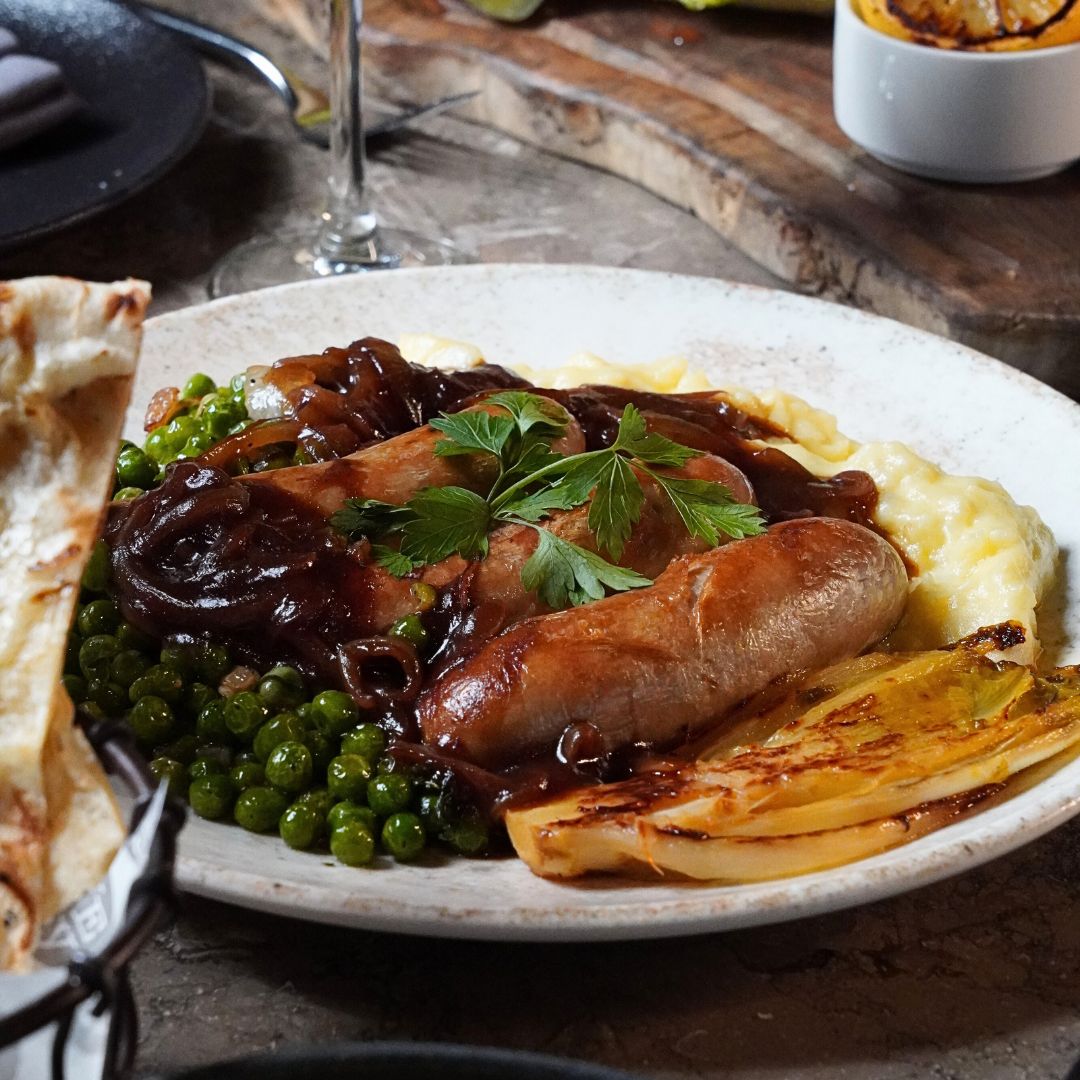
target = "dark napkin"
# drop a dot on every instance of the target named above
(33, 94)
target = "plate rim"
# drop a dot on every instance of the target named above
(700, 908)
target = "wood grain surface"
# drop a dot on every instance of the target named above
(729, 114)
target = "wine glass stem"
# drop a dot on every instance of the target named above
(348, 232)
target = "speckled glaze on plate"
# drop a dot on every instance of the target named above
(882, 380)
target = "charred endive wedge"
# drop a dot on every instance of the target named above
(823, 770)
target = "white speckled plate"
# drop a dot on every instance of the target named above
(882, 380)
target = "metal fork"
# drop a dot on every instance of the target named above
(308, 107)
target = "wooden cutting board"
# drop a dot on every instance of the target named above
(728, 113)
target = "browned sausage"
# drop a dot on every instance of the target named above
(395, 470)
(657, 664)
(658, 537)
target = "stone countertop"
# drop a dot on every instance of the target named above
(976, 978)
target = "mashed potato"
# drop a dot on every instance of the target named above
(979, 558)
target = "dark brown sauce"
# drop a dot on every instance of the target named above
(207, 555)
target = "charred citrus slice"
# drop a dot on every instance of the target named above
(984, 25)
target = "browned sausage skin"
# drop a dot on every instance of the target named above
(395, 470)
(660, 663)
(658, 537)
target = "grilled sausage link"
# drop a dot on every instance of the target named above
(662, 663)
(658, 537)
(395, 470)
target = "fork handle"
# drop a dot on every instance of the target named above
(228, 50)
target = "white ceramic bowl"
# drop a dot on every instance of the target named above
(951, 115)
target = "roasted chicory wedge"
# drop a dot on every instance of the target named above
(829, 768)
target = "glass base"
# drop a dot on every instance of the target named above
(290, 256)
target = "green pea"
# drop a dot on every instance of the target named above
(300, 826)
(173, 773)
(180, 429)
(211, 796)
(275, 461)
(322, 750)
(131, 637)
(179, 657)
(197, 696)
(126, 494)
(244, 715)
(198, 386)
(284, 727)
(152, 720)
(75, 685)
(127, 666)
(247, 774)
(346, 810)
(334, 712)
(319, 798)
(409, 628)
(111, 697)
(425, 594)
(289, 766)
(159, 681)
(259, 808)
(434, 811)
(403, 836)
(237, 385)
(96, 654)
(210, 723)
(183, 749)
(347, 776)
(134, 468)
(467, 837)
(96, 574)
(215, 752)
(367, 740)
(212, 662)
(244, 756)
(206, 766)
(389, 793)
(88, 708)
(196, 445)
(220, 414)
(158, 447)
(98, 617)
(352, 843)
(277, 694)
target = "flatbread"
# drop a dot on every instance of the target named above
(67, 357)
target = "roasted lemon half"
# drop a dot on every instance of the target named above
(981, 25)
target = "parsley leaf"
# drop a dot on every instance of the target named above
(534, 456)
(535, 506)
(616, 505)
(653, 449)
(563, 573)
(532, 411)
(369, 517)
(394, 561)
(473, 432)
(707, 509)
(446, 521)
(533, 482)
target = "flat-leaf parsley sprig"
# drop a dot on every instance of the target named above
(532, 482)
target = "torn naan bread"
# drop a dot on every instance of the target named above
(67, 357)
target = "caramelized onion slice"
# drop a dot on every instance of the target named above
(380, 671)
